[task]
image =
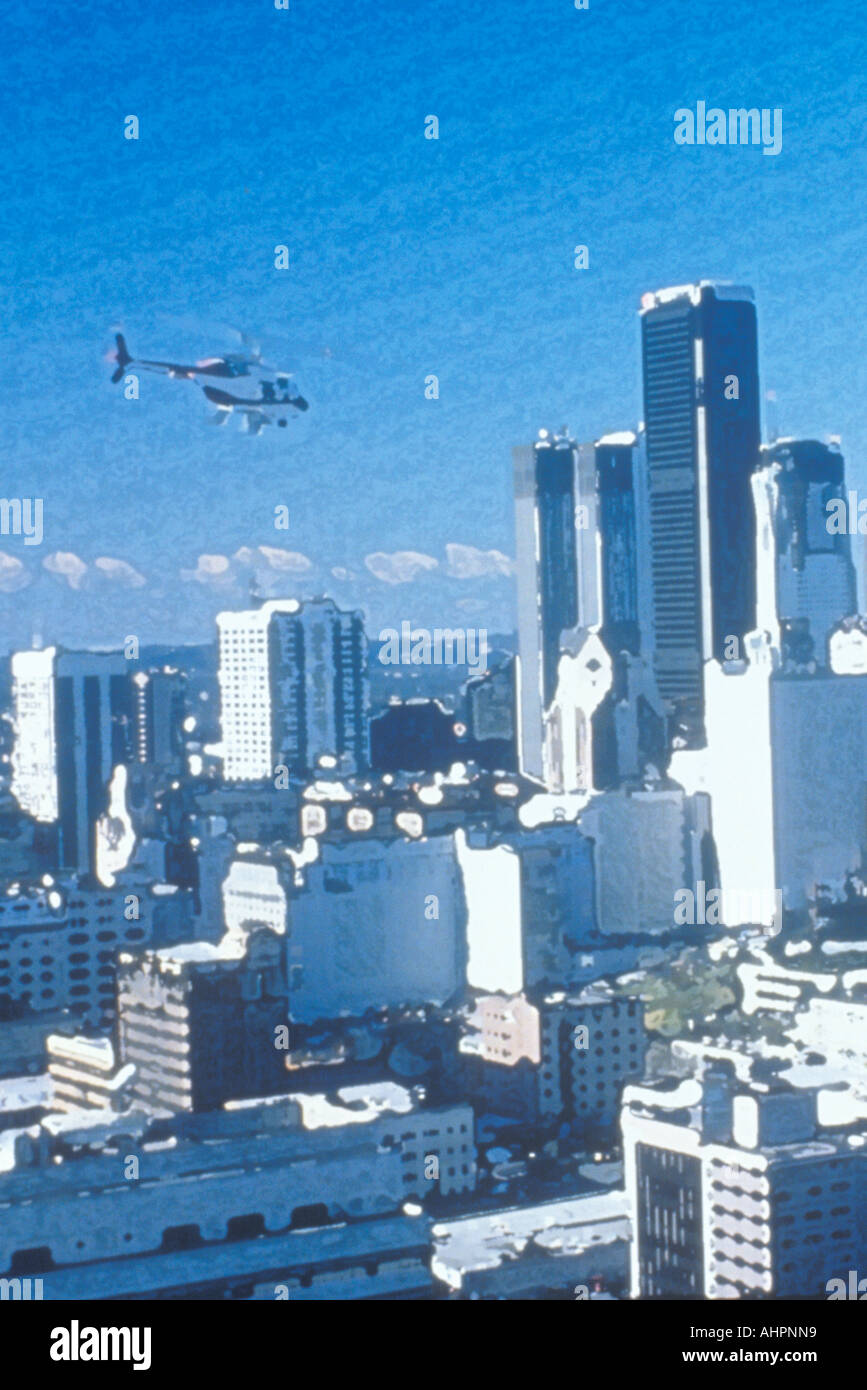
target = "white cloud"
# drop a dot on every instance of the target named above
(120, 572)
(64, 565)
(400, 567)
(211, 569)
(340, 572)
(287, 561)
(13, 574)
(466, 562)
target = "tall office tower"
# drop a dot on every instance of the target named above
(557, 571)
(74, 720)
(737, 1192)
(629, 727)
(618, 511)
(293, 687)
(701, 410)
(813, 575)
(159, 716)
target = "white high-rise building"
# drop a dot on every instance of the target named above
(293, 689)
(74, 724)
(34, 762)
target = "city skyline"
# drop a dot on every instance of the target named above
(381, 255)
(465, 582)
(433, 674)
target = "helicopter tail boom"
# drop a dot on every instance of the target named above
(123, 358)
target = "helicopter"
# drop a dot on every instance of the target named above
(270, 395)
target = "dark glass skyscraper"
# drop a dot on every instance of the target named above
(620, 629)
(554, 490)
(701, 404)
(555, 497)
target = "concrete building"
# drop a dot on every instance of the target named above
(736, 1192)
(530, 900)
(563, 1249)
(381, 1257)
(818, 726)
(591, 1045)
(85, 1075)
(837, 1030)
(293, 689)
(770, 985)
(251, 1170)
(647, 844)
(505, 1030)
(491, 704)
(370, 923)
(75, 716)
(200, 1023)
(565, 1060)
(59, 940)
(584, 677)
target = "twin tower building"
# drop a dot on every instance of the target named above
(645, 556)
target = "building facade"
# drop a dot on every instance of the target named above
(701, 411)
(293, 689)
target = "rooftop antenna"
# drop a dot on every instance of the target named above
(772, 421)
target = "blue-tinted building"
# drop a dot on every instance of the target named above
(814, 575)
(701, 404)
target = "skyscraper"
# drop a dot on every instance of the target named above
(74, 719)
(557, 570)
(618, 530)
(159, 714)
(701, 407)
(293, 688)
(814, 578)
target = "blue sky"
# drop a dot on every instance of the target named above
(261, 127)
